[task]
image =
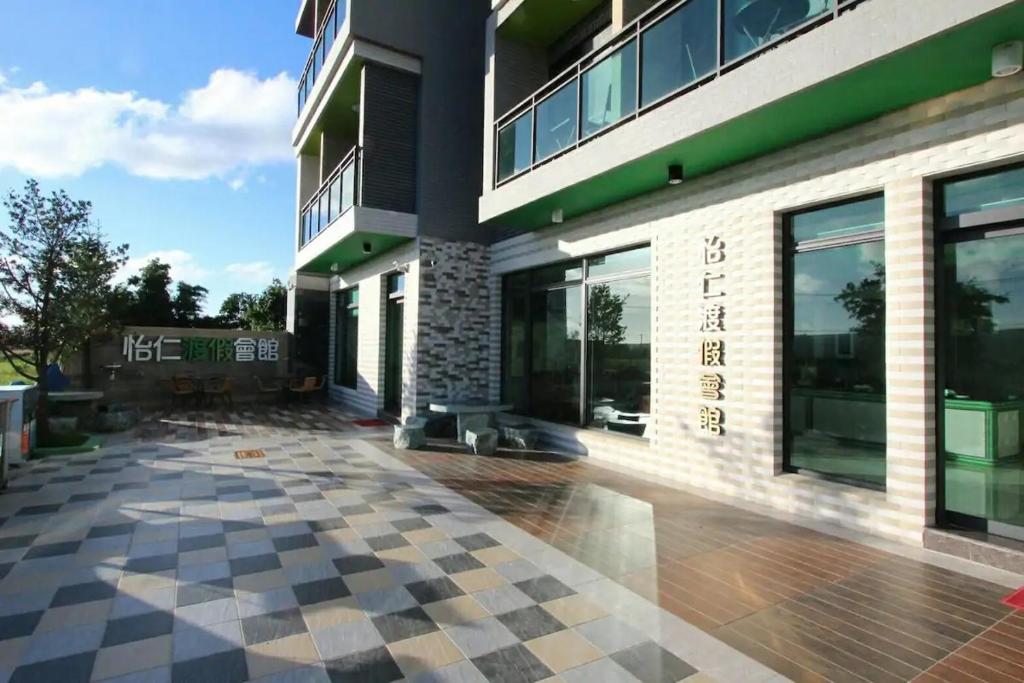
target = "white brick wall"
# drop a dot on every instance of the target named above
(900, 154)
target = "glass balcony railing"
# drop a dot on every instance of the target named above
(331, 26)
(337, 195)
(673, 47)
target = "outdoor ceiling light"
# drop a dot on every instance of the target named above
(675, 174)
(1007, 59)
(335, 267)
(367, 248)
(557, 216)
(355, 107)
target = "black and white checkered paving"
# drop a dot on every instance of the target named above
(327, 560)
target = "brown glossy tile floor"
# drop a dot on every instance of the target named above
(811, 606)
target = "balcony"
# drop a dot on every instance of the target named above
(330, 27)
(838, 69)
(671, 49)
(347, 222)
(336, 196)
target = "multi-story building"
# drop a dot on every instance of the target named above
(770, 249)
(388, 259)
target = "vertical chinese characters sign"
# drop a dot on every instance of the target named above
(712, 346)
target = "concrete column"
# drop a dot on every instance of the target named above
(910, 351)
(625, 11)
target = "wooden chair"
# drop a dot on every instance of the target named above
(304, 388)
(220, 388)
(183, 389)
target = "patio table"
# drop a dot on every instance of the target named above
(460, 410)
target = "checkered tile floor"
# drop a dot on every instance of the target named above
(327, 560)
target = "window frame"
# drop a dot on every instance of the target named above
(791, 248)
(345, 376)
(584, 282)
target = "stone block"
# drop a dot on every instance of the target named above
(521, 436)
(483, 441)
(409, 438)
(472, 422)
(62, 425)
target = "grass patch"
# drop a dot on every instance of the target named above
(8, 374)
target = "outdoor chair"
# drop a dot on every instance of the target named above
(304, 388)
(183, 389)
(219, 388)
(273, 389)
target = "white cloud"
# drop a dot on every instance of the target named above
(236, 184)
(235, 122)
(184, 266)
(255, 273)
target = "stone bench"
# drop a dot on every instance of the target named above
(483, 441)
(411, 434)
(521, 436)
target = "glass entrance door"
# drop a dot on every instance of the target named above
(393, 325)
(981, 351)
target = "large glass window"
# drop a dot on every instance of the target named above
(835, 350)
(981, 351)
(679, 49)
(549, 372)
(515, 142)
(556, 122)
(609, 89)
(346, 338)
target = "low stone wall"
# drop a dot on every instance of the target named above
(135, 365)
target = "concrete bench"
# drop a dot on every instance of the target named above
(411, 434)
(483, 441)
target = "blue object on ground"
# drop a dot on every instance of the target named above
(55, 379)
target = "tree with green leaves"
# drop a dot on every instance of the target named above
(56, 269)
(263, 312)
(187, 305)
(233, 309)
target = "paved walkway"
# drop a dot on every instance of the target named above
(319, 557)
(810, 606)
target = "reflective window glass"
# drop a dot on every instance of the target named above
(619, 262)
(836, 362)
(841, 220)
(619, 355)
(609, 89)
(514, 144)
(679, 49)
(999, 190)
(556, 122)
(751, 24)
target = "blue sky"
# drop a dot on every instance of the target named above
(172, 116)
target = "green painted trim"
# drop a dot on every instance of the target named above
(92, 443)
(348, 252)
(953, 61)
(542, 22)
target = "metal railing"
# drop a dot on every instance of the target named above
(672, 48)
(333, 21)
(336, 195)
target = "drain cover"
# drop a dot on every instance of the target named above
(247, 455)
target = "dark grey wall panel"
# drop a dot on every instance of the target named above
(448, 37)
(390, 105)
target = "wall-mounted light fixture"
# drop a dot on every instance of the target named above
(557, 216)
(675, 174)
(1007, 59)
(367, 248)
(335, 267)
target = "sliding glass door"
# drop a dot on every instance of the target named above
(981, 350)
